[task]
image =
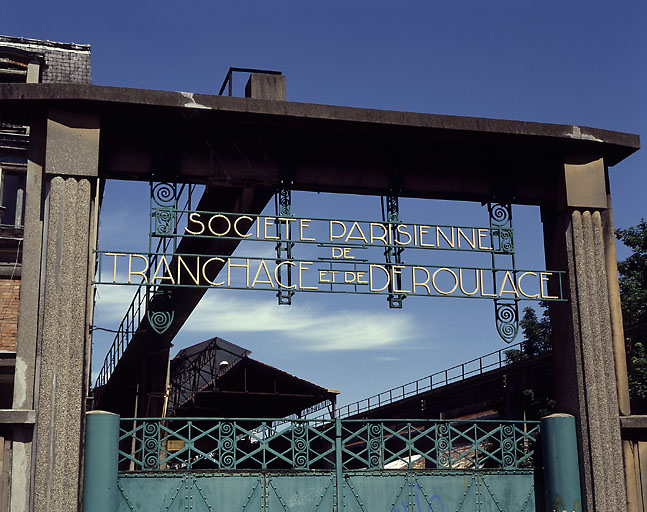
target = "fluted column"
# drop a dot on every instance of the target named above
(582, 336)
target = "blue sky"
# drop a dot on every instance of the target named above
(578, 62)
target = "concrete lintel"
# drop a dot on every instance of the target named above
(586, 185)
(17, 416)
(72, 143)
(634, 422)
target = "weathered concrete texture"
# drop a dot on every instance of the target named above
(603, 475)
(72, 144)
(262, 86)
(62, 346)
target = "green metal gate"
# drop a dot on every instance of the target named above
(215, 465)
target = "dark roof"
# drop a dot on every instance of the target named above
(244, 388)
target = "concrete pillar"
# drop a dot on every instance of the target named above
(28, 318)
(60, 335)
(585, 377)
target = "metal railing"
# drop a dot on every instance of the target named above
(152, 444)
(136, 311)
(478, 366)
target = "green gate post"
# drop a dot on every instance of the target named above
(561, 465)
(101, 462)
(339, 477)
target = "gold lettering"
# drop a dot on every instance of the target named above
(347, 253)
(471, 243)
(507, 278)
(424, 230)
(360, 236)
(536, 296)
(277, 273)
(204, 275)
(337, 252)
(181, 263)
(268, 221)
(373, 237)
(321, 274)
(114, 271)
(460, 282)
(433, 280)
(304, 223)
(267, 273)
(336, 223)
(483, 294)
(130, 265)
(439, 233)
(192, 218)
(349, 277)
(396, 270)
(543, 278)
(162, 263)
(416, 283)
(360, 275)
(236, 226)
(402, 230)
(305, 265)
(371, 280)
(483, 232)
(219, 216)
(244, 265)
(287, 225)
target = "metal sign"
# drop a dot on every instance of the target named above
(329, 255)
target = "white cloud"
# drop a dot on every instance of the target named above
(305, 327)
(315, 328)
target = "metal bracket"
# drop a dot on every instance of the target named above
(283, 209)
(393, 253)
(506, 312)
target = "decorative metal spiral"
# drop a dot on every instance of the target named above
(150, 444)
(443, 460)
(164, 222)
(227, 445)
(507, 445)
(151, 460)
(443, 429)
(500, 214)
(443, 444)
(507, 321)
(506, 243)
(299, 429)
(164, 194)
(160, 320)
(374, 445)
(375, 429)
(301, 460)
(226, 429)
(508, 460)
(228, 460)
(374, 460)
(151, 429)
(300, 445)
(508, 430)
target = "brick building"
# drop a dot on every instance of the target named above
(22, 60)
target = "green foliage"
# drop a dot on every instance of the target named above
(633, 293)
(633, 274)
(536, 335)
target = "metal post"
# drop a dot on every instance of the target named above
(561, 466)
(339, 488)
(101, 462)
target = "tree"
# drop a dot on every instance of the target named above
(536, 335)
(537, 401)
(633, 294)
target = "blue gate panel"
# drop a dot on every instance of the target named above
(224, 492)
(300, 493)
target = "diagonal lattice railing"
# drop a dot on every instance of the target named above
(478, 366)
(151, 444)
